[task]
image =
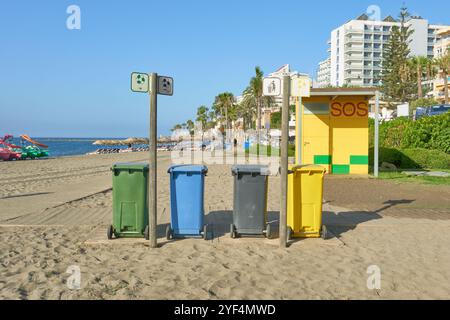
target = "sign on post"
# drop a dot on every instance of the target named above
(154, 85)
(301, 86)
(165, 86)
(272, 87)
(139, 82)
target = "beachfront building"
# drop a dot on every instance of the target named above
(441, 48)
(323, 74)
(266, 113)
(356, 48)
(284, 70)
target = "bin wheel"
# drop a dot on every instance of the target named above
(110, 232)
(233, 232)
(147, 233)
(168, 233)
(205, 232)
(268, 231)
(324, 233)
(289, 233)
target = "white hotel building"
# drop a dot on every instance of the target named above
(356, 49)
(324, 73)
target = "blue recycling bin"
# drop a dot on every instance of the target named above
(187, 185)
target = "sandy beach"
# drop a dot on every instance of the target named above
(54, 214)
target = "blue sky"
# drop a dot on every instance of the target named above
(76, 83)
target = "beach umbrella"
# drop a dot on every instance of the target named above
(135, 141)
(164, 139)
(108, 143)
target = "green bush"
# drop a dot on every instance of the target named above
(427, 133)
(413, 158)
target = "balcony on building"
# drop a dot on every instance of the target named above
(349, 56)
(351, 31)
(353, 66)
(354, 40)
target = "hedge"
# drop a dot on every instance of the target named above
(426, 133)
(413, 158)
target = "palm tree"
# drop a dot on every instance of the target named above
(443, 66)
(248, 109)
(190, 126)
(176, 127)
(223, 104)
(419, 64)
(202, 116)
(430, 69)
(256, 89)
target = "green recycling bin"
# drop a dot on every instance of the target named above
(130, 201)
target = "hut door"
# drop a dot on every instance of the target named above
(315, 126)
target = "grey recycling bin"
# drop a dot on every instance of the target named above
(250, 201)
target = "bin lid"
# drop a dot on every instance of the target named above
(130, 166)
(188, 169)
(250, 169)
(308, 168)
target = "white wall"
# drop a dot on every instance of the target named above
(333, 57)
(419, 39)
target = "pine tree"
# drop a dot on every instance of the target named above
(397, 81)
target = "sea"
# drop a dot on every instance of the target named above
(62, 147)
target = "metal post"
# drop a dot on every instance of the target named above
(298, 134)
(284, 159)
(377, 123)
(258, 127)
(152, 204)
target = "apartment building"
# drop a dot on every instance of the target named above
(442, 45)
(284, 70)
(323, 74)
(441, 48)
(356, 48)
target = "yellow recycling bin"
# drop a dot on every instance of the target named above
(305, 194)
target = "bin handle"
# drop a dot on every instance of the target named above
(204, 171)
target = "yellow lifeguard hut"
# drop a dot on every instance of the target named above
(332, 129)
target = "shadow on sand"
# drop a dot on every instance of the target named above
(338, 223)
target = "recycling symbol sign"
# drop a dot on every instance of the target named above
(139, 82)
(140, 79)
